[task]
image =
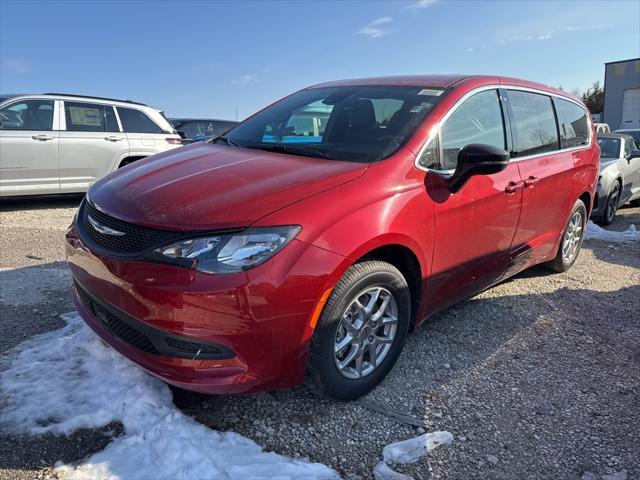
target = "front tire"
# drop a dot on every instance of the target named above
(611, 207)
(361, 331)
(571, 241)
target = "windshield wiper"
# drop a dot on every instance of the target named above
(291, 150)
(226, 140)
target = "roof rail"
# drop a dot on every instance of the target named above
(97, 98)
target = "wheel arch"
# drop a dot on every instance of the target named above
(130, 159)
(586, 198)
(406, 261)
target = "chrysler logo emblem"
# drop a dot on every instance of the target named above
(98, 227)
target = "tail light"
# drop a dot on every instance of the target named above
(174, 140)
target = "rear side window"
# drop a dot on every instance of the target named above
(477, 120)
(629, 146)
(27, 115)
(533, 123)
(134, 121)
(573, 124)
(90, 117)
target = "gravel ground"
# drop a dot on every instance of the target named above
(538, 377)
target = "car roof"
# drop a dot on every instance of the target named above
(181, 120)
(441, 81)
(614, 135)
(95, 98)
(75, 96)
(438, 81)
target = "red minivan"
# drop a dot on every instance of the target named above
(313, 236)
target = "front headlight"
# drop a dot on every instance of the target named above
(229, 253)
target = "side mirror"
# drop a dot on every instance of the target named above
(477, 159)
(633, 154)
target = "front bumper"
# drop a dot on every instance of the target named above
(252, 329)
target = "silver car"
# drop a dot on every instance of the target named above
(57, 143)
(619, 180)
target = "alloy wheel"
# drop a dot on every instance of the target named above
(572, 237)
(365, 333)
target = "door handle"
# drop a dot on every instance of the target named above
(113, 138)
(42, 138)
(513, 187)
(531, 181)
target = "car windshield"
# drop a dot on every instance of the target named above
(352, 123)
(634, 133)
(609, 147)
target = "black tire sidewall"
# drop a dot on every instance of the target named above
(333, 381)
(606, 219)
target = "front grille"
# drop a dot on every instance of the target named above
(116, 326)
(191, 348)
(136, 239)
(145, 337)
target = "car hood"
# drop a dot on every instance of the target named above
(204, 186)
(607, 162)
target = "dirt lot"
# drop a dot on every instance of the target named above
(538, 377)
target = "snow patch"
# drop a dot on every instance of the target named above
(382, 471)
(408, 451)
(594, 232)
(67, 379)
(411, 450)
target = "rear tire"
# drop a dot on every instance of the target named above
(361, 331)
(611, 207)
(571, 241)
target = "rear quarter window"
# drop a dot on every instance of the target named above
(533, 123)
(134, 121)
(573, 124)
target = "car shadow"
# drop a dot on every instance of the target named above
(40, 202)
(443, 350)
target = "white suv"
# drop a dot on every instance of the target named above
(57, 143)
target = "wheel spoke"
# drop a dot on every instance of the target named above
(383, 340)
(355, 350)
(343, 343)
(389, 319)
(359, 361)
(382, 309)
(361, 309)
(349, 327)
(372, 355)
(373, 299)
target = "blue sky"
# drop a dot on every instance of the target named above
(205, 59)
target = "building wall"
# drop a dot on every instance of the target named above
(618, 77)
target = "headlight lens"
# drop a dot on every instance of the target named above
(230, 253)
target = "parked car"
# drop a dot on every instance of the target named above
(619, 180)
(634, 132)
(199, 130)
(58, 143)
(602, 128)
(240, 264)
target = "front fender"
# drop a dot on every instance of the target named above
(352, 220)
